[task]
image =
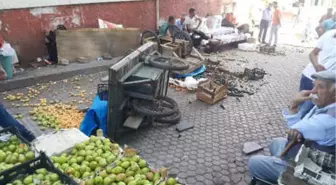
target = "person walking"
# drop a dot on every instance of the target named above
(265, 20)
(276, 23)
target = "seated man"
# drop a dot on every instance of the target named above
(326, 25)
(180, 23)
(7, 120)
(318, 126)
(229, 20)
(163, 29)
(193, 23)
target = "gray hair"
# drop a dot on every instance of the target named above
(332, 87)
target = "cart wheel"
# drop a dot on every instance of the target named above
(149, 36)
(172, 119)
(168, 63)
(181, 35)
(160, 107)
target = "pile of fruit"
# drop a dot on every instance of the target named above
(13, 152)
(87, 158)
(127, 171)
(57, 116)
(131, 170)
(40, 177)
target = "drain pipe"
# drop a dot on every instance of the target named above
(157, 13)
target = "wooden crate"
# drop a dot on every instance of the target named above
(210, 92)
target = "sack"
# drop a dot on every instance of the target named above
(7, 50)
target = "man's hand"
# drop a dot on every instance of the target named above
(319, 67)
(300, 97)
(294, 135)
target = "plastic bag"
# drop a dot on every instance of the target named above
(106, 24)
(7, 50)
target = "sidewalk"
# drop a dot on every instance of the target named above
(54, 73)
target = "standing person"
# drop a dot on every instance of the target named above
(322, 57)
(265, 20)
(181, 22)
(327, 16)
(276, 23)
(326, 25)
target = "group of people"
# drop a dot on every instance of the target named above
(311, 113)
(269, 17)
(190, 23)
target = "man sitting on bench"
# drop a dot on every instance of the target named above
(318, 126)
(193, 23)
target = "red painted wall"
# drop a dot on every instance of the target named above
(24, 28)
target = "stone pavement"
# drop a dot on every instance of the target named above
(211, 152)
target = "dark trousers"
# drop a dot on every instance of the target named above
(197, 37)
(263, 30)
(7, 120)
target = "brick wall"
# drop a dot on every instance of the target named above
(23, 28)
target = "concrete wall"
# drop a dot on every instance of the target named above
(24, 28)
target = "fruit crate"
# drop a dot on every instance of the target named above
(10, 136)
(28, 168)
(76, 147)
(102, 91)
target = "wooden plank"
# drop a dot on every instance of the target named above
(92, 43)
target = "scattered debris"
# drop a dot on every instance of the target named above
(251, 147)
(222, 106)
(64, 62)
(181, 127)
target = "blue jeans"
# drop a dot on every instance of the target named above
(7, 120)
(269, 168)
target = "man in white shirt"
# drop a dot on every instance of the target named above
(323, 57)
(264, 24)
(193, 23)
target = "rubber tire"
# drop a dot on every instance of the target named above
(173, 105)
(149, 32)
(173, 119)
(167, 66)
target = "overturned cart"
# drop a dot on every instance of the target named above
(137, 90)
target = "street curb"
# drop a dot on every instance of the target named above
(55, 74)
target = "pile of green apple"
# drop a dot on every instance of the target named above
(87, 158)
(130, 170)
(40, 177)
(13, 152)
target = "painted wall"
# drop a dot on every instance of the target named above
(24, 28)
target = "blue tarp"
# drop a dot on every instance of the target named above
(95, 117)
(196, 72)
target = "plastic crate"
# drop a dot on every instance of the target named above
(9, 131)
(102, 92)
(29, 168)
(12, 130)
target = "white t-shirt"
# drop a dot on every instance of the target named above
(192, 22)
(327, 55)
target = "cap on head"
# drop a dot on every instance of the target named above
(328, 76)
